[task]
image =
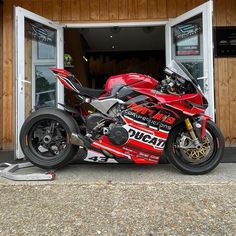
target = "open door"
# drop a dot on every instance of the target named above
(189, 41)
(39, 46)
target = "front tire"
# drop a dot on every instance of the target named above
(176, 158)
(44, 138)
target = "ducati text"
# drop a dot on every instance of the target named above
(146, 138)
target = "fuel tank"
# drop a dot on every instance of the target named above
(133, 80)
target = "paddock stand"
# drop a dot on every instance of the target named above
(8, 170)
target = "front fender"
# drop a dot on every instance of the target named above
(201, 129)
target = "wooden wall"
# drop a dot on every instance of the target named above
(105, 64)
(225, 76)
(1, 78)
(117, 10)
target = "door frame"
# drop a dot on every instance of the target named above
(206, 9)
(116, 24)
(19, 53)
(20, 14)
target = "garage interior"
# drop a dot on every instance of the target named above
(98, 53)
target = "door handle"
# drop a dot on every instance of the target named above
(21, 85)
(202, 78)
(26, 81)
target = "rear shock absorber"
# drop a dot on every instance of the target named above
(192, 133)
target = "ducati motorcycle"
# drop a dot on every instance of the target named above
(133, 120)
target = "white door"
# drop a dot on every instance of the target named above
(189, 41)
(39, 46)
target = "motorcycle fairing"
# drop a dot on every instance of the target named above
(134, 80)
(67, 79)
(72, 83)
(93, 156)
(145, 143)
(148, 129)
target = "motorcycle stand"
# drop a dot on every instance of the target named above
(8, 171)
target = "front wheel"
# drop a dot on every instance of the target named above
(195, 161)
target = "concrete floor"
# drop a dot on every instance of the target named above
(121, 200)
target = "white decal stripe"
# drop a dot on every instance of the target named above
(164, 131)
(70, 83)
(61, 79)
(141, 123)
(112, 150)
(156, 148)
(188, 113)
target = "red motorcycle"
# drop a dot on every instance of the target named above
(134, 119)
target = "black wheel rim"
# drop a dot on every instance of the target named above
(48, 139)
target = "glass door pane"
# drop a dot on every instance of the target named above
(40, 56)
(39, 46)
(187, 46)
(189, 42)
(45, 86)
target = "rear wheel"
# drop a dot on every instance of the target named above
(44, 138)
(195, 160)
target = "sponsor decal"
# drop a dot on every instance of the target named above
(150, 113)
(41, 34)
(187, 30)
(145, 138)
(148, 157)
(93, 156)
(145, 116)
(187, 39)
(140, 109)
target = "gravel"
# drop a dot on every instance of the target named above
(121, 200)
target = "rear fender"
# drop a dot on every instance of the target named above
(76, 114)
(69, 109)
(53, 111)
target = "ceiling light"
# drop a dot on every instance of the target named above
(85, 58)
(111, 36)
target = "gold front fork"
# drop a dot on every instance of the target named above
(191, 132)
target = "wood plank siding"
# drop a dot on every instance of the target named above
(72, 11)
(1, 77)
(225, 76)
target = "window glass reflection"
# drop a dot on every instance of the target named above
(45, 91)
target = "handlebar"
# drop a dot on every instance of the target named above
(173, 84)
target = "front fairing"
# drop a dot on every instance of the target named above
(178, 70)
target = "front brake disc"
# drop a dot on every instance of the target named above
(199, 155)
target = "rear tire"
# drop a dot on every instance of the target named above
(44, 149)
(187, 167)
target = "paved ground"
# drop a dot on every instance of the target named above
(121, 200)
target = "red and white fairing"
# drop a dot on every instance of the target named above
(148, 128)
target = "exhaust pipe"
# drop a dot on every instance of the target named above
(79, 140)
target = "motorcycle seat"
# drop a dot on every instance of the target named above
(93, 93)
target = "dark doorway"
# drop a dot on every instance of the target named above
(95, 54)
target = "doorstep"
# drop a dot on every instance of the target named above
(229, 156)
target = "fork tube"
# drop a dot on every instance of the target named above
(191, 131)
